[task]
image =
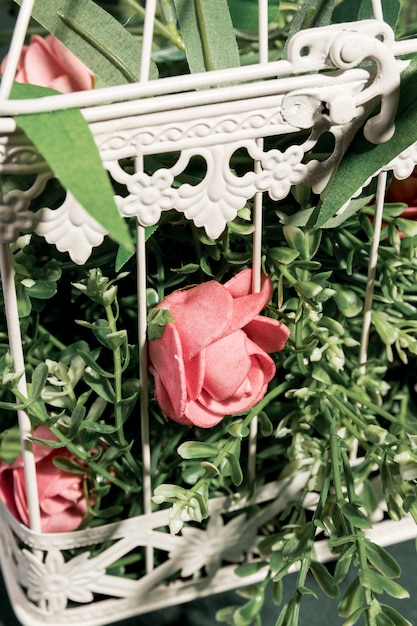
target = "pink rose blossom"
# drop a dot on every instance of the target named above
(61, 495)
(47, 62)
(213, 359)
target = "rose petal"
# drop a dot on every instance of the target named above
(194, 374)
(167, 366)
(270, 335)
(64, 522)
(48, 62)
(20, 497)
(240, 284)
(200, 315)
(261, 372)
(198, 415)
(235, 404)
(246, 306)
(81, 76)
(227, 365)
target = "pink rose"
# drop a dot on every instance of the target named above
(212, 360)
(61, 495)
(47, 62)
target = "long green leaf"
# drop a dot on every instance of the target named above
(207, 30)
(95, 37)
(244, 13)
(353, 10)
(382, 560)
(67, 145)
(363, 159)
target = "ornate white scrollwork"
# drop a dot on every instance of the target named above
(71, 229)
(336, 100)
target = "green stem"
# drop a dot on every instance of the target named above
(362, 399)
(337, 467)
(51, 339)
(95, 43)
(117, 365)
(307, 557)
(271, 395)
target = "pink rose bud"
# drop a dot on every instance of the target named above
(213, 359)
(61, 494)
(47, 62)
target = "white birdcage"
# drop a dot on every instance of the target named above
(189, 116)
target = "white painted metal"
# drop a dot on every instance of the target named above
(154, 117)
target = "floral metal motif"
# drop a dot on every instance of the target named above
(55, 581)
(71, 228)
(14, 216)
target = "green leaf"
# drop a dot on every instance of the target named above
(390, 10)
(363, 159)
(343, 565)
(197, 450)
(354, 617)
(352, 600)
(24, 304)
(283, 255)
(68, 465)
(238, 429)
(207, 30)
(210, 469)
(379, 584)
(124, 255)
(167, 491)
(67, 145)
(98, 427)
(77, 416)
(157, 320)
(307, 289)
(324, 579)
(101, 386)
(244, 13)
(245, 615)
(95, 37)
(297, 545)
(382, 560)
(249, 569)
(265, 424)
(348, 302)
(235, 469)
(396, 618)
(42, 289)
(39, 376)
(352, 513)
(353, 10)
(92, 362)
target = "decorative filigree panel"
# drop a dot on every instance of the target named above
(213, 124)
